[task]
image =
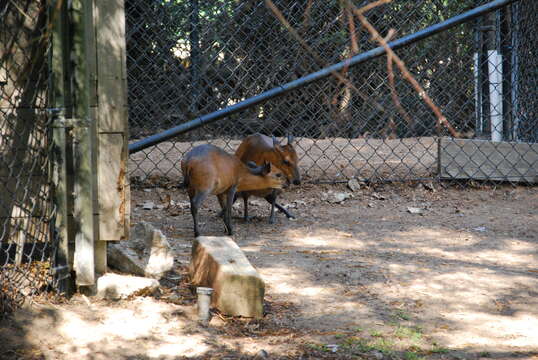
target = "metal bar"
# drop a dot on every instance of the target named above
(277, 91)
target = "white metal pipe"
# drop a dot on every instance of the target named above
(495, 73)
(204, 302)
(477, 99)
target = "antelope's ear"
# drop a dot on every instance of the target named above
(266, 168)
(255, 170)
(276, 143)
(290, 139)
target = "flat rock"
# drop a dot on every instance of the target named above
(354, 184)
(415, 210)
(114, 286)
(146, 253)
(335, 197)
(217, 262)
(148, 205)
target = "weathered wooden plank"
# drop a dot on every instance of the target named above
(487, 160)
(111, 55)
(62, 177)
(84, 138)
(111, 184)
(114, 203)
(60, 97)
(101, 262)
(86, 234)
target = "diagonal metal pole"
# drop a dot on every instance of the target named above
(282, 89)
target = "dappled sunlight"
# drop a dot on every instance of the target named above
(483, 329)
(111, 329)
(301, 291)
(319, 237)
(289, 281)
(448, 244)
(461, 279)
(462, 273)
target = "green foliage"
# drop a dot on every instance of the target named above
(206, 55)
(410, 355)
(411, 333)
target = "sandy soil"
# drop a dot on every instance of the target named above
(459, 281)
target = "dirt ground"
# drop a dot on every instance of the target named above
(364, 278)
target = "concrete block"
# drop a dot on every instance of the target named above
(217, 262)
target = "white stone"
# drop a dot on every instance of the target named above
(148, 205)
(414, 210)
(339, 197)
(114, 286)
(146, 253)
(353, 184)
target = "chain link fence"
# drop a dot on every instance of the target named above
(192, 57)
(26, 239)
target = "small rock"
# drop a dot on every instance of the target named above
(378, 196)
(377, 354)
(300, 203)
(370, 205)
(353, 184)
(289, 206)
(174, 298)
(336, 198)
(332, 347)
(414, 210)
(262, 354)
(429, 186)
(255, 202)
(294, 204)
(183, 204)
(148, 205)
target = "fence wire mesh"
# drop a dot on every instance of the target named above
(26, 241)
(192, 57)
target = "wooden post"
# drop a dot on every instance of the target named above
(84, 140)
(93, 97)
(113, 196)
(61, 165)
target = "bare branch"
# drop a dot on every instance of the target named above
(441, 119)
(307, 11)
(316, 56)
(393, 92)
(369, 6)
